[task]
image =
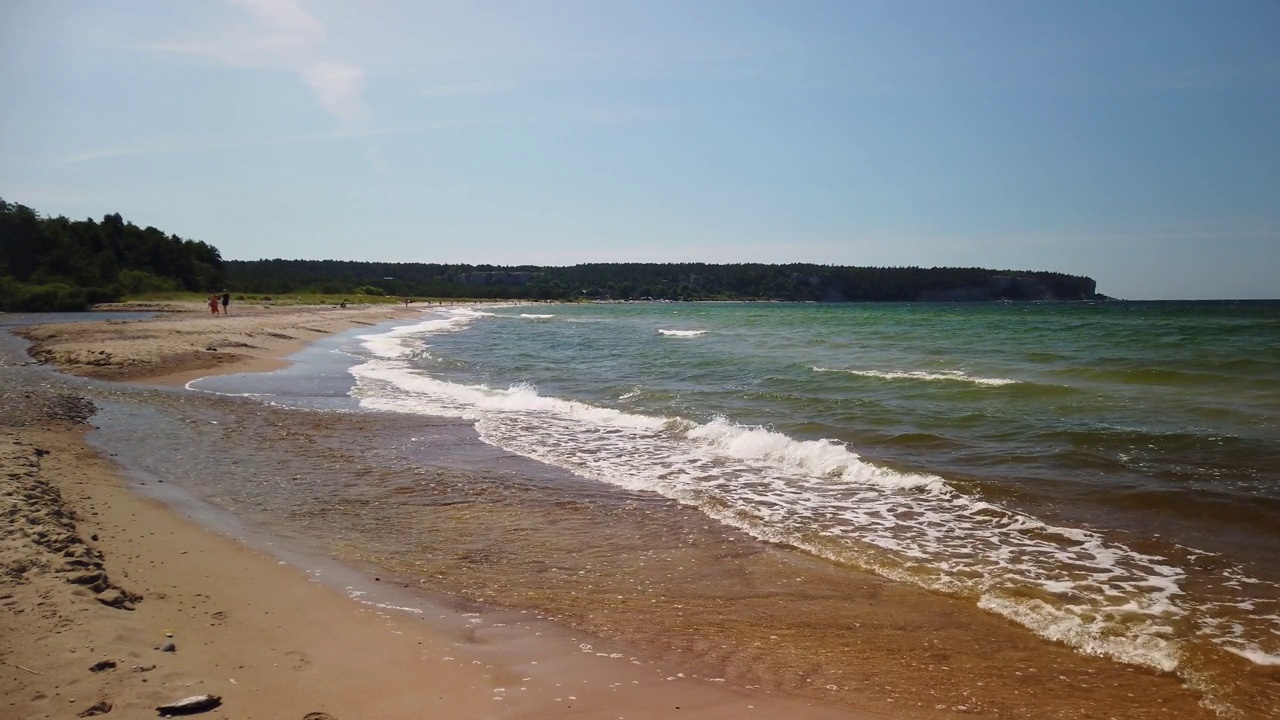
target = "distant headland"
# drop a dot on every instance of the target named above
(659, 281)
(53, 263)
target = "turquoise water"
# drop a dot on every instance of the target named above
(1107, 475)
(1157, 394)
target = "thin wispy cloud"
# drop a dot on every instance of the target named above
(465, 89)
(284, 14)
(183, 146)
(379, 163)
(151, 148)
(281, 35)
(197, 145)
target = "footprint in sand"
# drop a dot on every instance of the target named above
(300, 659)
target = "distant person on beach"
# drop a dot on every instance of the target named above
(213, 304)
(226, 300)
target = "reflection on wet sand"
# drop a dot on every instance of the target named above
(428, 503)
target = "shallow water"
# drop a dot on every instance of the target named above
(431, 505)
(1104, 476)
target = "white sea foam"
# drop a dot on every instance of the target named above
(1254, 655)
(533, 316)
(1150, 645)
(943, 376)
(819, 458)
(400, 341)
(682, 333)
(474, 402)
(1067, 584)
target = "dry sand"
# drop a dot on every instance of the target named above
(188, 342)
(112, 603)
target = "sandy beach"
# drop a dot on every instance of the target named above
(186, 342)
(118, 598)
(116, 604)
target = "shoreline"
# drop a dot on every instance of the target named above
(262, 633)
(884, 624)
(185, 345)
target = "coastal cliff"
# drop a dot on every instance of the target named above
(1014, 288)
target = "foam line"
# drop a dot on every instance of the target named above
(944, 376)
(1067, 584)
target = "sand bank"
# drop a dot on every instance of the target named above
(188, 342)
(112, 603)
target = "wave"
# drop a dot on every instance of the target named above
(1066, 584)
(821, 458)
(534, 316)
(821, 497)
(394, 343)
(1109, 371)
(682, 333)
(943, 376)
(1254, 655)
(474, 402)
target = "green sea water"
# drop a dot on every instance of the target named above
(1107, 475)
(1154, 398)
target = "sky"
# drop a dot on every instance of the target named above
(1134, 142)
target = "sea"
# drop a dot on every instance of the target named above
(1104, 476)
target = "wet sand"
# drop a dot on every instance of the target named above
(550, 565)
(114, 601)
(187, 342)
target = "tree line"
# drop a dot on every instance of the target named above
(53, 263)
(656, 281)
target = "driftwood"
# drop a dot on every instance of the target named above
(193, 704)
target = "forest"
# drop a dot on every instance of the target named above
(657, 281)
(53, 263)
(49, 264)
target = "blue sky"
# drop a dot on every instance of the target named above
(1134, 142)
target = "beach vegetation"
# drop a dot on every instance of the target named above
(47, 297)
(658, 281)
(54, 263)
(140, 282)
